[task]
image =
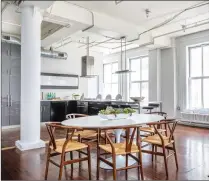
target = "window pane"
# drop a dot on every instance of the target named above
(206, 60)
(114, 69)
(135, 66)
(206, 93)
(107, 73)
(144, 92)
(144, 68)
(114, 90)
(195, 99)
(135, 90)
(107, 89)
(195, 62)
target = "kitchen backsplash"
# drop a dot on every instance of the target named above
(60, 93)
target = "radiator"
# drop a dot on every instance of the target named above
(195, 117)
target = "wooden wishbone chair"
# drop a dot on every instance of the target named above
(89, 135)
(162, 141)
(125, 148)
(63, 146)
(150, 130)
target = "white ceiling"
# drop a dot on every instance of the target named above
(130, 13)
(134, 11)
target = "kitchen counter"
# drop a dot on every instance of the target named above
(102, 101)
(56, 110)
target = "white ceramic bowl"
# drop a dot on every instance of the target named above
(123, 116)
(107, 116)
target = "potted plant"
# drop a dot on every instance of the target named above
(75, 96)
(111, 113)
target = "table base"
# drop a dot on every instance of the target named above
(120, 162)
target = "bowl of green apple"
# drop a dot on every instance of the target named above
(111, 113)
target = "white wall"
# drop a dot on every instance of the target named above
(73, 66)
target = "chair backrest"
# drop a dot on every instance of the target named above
(130, 135)
(75, 115)
(171, 123)
(51, 128)
(118, 97)
(108, 97)
(99, 96)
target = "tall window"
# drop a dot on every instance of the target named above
(139, 78)
(198, 81)
(110, 79)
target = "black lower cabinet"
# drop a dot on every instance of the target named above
(58, 111)
(45, 111)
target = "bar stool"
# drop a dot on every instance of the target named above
(108, 97)
(148, 108)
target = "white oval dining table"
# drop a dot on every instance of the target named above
(95, 122)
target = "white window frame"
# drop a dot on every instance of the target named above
(138, 81)
(111, 83)
(189, 79)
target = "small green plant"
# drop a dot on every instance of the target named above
(109, 110)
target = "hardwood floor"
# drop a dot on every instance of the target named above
(192, 148)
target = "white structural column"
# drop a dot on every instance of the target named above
(30, 79)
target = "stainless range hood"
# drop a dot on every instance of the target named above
(87, 64)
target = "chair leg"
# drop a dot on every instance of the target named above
(98, 162)
(114, 167)
(105, 139)
(71, 157)
(165, 160)
(89, 161)
(140, 166)
(79, 154)
(47, 164)
(175, 155)
(126, 166)
(61, 166)
(153, 152)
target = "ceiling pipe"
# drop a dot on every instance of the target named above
(84, 44)
(44, 52)
(4, 8)
(167, 21)
(142, 45)
(98, 43)
(152, 42)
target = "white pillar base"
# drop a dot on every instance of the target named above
(23, 146)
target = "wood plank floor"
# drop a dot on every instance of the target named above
(192, 148)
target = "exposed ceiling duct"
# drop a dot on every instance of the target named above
(44, 53)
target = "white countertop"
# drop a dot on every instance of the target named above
(97, 122)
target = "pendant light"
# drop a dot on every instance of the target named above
(121, 60)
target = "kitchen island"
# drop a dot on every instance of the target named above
(56, 110)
